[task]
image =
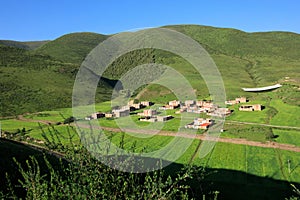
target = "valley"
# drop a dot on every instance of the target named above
(259, 149)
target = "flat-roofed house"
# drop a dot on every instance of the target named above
(97, 115)
(174, 103)
(146, 103)
(148, 119)
(109, 115)
(137, 106)
(121, 113)
(200, 123)
(241, 100)
(200, 103)
(166, 107)
(230, 102)
(149, 112)
(255, 107)
(220, 112)
(189, 102)
(164, 118)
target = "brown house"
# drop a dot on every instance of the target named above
(164, 118)
(255, 107)
(146, 103)
(174, 103)
(97, 115)
(241, 100)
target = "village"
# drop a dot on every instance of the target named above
(189, 106)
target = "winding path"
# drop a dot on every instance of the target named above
(22, 118)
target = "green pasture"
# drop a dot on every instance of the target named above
(245, 116)
(265, 162)
(287, 136)
(288, 115)
(11, 125)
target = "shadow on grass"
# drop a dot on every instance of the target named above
(231, 184)
(21, 152)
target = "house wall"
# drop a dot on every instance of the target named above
(174, 103)
(121, 113)
(189, 102)
(163, 118)
(149, 112)
(109, 115)
(257, 107)
(242, 99)
(146, 103)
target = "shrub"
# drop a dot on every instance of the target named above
(69, 120)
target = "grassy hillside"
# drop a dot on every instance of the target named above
(271, 55)
(244, 60)
(72, 48)
(23, 45)
(238, 43)
(42, 79)
(31, 82)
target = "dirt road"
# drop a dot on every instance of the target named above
(203, 137)
(258, 124)
(22, 118)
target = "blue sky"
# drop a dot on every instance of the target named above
(48, 19)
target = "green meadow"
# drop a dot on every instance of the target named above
(265, 162)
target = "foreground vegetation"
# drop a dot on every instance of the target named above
(75, 174)
(78, 174)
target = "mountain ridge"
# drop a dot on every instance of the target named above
(28, 45)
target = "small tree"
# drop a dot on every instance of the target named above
(270, 135)
(69, 120)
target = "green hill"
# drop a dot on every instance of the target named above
(276, 52)
(42, 79)
(31, 82)
(23, 45)
(247, 59)
(234, 42)
(71, 48)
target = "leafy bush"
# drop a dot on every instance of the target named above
(269, 134)
(69, 120)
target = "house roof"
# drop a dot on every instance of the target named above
(205, 124)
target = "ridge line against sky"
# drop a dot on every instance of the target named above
(32, 20)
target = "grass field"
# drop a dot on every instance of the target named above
(287, 136)
(263, 162)
(249, 132)
(245, 168)
(243, 116)
(287, 115)
(12, 125)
